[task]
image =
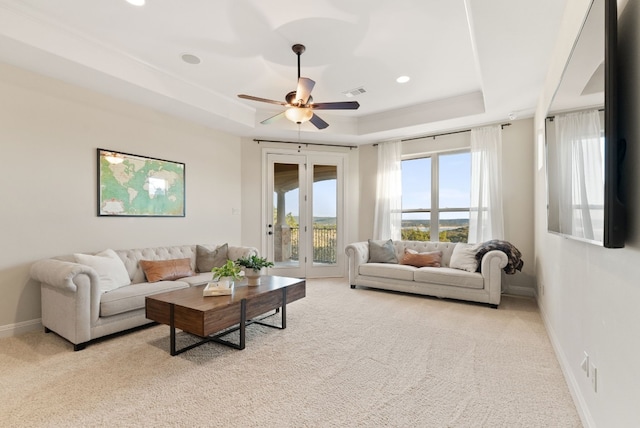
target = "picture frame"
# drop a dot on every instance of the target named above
(139, 186)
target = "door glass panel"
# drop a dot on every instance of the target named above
(325, 219)
(286, 191)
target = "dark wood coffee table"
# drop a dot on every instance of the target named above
(213, 317)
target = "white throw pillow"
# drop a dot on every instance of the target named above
(464, 257)
(111, 269)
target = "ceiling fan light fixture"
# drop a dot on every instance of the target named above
(298, 114)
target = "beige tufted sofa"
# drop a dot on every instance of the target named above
(74, 307)
(484, 286)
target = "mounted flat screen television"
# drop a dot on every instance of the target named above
(584, 153)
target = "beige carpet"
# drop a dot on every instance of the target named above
(348, 358)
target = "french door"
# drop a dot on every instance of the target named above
(303, 226)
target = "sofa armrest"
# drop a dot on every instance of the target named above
(61, 274)
(491, 269)
(234, 253)
(70, 295)
(358, 254)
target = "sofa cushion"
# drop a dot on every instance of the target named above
(414, 258)
(382, 252)
(388, 270)
(208, 257)
(166, 270)
(449, 276)
(132, 297)
(109, 267)
(464, 257)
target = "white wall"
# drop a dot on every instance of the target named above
(517, 182)
(589, 295)
(49, 132)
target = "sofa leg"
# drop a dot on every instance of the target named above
(353, 286)
(46, 330)
(492, 306)
(79, 346)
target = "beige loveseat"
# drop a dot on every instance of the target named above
(444, 281)
(76, 306)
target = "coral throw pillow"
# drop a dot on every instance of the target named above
(166, 270)
(414, 258)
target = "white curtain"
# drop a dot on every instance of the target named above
(581, 207)
(388, 215)
(486, 218)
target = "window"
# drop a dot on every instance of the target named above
(436, 195)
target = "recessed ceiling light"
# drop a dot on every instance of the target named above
(403, 79)
(190, 59)
(136, 2)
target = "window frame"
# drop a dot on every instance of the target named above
(435, 211)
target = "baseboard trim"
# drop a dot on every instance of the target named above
(519, 290)
(572, 382)
(20, 328)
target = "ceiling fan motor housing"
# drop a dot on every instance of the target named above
(291, 98)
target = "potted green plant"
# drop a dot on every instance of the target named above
(253, 266)
(228, 272)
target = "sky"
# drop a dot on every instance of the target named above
(455, 184)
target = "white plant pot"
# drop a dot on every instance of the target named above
(227, 281)
(253, 276)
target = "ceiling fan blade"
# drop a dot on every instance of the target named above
(303, 92)
(273, 118)
(262, 100)
(319, 123)
(344, 105)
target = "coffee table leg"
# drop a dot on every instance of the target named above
(172, 329)
(243, 322)
(284, 308)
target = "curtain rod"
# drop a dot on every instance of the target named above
(552, 117)
(443, 134)
(447, 133)
(304, 144)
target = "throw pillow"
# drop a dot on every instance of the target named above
(382, 252)
(207, 258)
(414, 258)
(166, 270)
(110, 268)
(464, 257)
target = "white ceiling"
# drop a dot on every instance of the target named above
(471, 62)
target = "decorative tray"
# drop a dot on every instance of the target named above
(217, 289)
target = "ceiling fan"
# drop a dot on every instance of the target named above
(300, 103)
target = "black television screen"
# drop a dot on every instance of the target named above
(584, 153)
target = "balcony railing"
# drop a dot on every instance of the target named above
(325, 244)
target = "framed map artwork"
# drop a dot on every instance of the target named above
(131, 186)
